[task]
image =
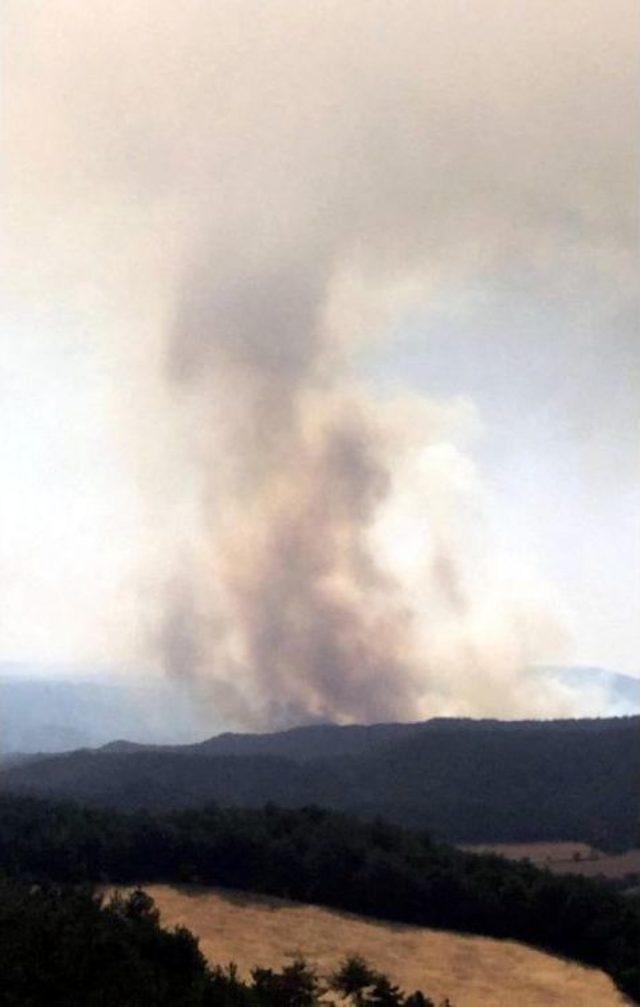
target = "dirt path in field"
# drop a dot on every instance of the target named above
(472, 971)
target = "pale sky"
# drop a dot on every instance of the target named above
(416, 199)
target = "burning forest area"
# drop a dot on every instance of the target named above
(320, 386)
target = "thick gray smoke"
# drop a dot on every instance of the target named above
(297, 602)
(270, 187)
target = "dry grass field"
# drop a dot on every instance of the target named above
(568, 858)
(537, 853)
(471, 971)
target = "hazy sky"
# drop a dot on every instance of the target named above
(378, 254)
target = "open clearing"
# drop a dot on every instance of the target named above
(472, 971)
(567, 858)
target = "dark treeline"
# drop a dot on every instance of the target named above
(323, 857)
(465, 781)
(65, 947)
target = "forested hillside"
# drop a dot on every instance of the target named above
(67, 946)
(329, 859)
(466, 781)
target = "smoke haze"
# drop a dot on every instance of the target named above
(233, 207)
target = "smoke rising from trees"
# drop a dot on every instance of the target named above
(244, 200)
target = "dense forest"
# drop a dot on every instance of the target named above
(328, 858)
(464, 781)
(67, 946)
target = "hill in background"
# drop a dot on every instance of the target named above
(467, 781)
(56, 709)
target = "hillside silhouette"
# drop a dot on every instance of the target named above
(464, 780)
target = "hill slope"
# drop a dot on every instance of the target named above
(328, 859)
(471, 971)
(468, 781)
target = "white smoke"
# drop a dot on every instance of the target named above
(241, 198)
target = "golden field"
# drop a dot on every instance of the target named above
(472, 971)
(567, 858)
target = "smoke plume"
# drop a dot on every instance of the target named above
(262, 193)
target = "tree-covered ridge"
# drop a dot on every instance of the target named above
(322, 857)
(465, 781)
(66, 946)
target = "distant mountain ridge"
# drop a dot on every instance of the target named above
(300, 743)
(57, 709)
(53, 710)
(327, 741)
(617, 694)
(467, 781)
